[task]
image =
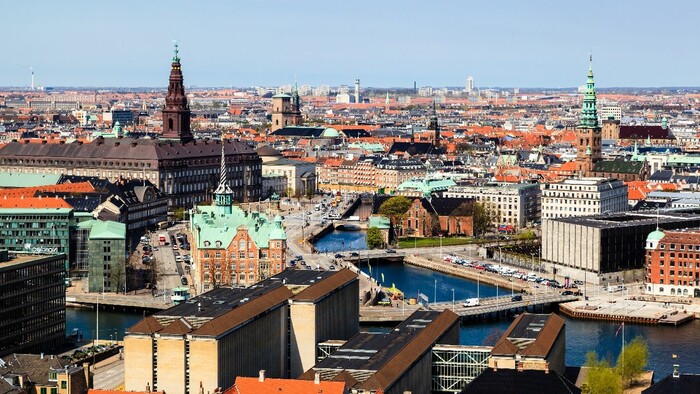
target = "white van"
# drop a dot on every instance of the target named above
(616, 288)
(471, 302)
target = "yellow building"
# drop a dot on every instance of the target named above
(275, 325)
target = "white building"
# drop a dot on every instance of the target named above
(583, 197)
(611, 112)
(517, 203)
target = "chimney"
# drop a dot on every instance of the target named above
(495, 366)
(41, 356)
(546, 367)
(261, 375)
(676, 372)
(317, 378)
(148, 387)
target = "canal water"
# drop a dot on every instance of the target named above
(581, 335)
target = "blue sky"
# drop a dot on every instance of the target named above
(385, 43)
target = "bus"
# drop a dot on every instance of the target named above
(162, 225)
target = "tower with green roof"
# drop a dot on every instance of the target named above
(588, 131)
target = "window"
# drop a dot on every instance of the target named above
(217, 255)
(64, 384)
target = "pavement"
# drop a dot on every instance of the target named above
(109, 373)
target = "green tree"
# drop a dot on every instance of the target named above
(179, 213)
(485, 215)
(374, 238)
(601, 378)
(632, 360)
(395, 209)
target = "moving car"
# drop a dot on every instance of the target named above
(471, 302)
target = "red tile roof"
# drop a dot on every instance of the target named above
(33, 202)
(280, 386)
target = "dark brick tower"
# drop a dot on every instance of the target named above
(176, 113)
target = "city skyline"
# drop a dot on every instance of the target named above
(387, 44)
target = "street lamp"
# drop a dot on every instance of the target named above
(435, 292)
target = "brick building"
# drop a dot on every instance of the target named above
(448, 216)
(672, 265)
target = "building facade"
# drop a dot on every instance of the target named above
(518, 204)
(233, 247)
(33, 311)
(286, 111)
(106, 255)
(588, 132)
(672, 266)
(583, 197)
(208, 342)
(300, 175)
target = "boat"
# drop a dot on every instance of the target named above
(180, 295)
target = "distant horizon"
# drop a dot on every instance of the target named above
(391, 43)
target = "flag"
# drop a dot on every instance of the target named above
(619, 328)
(382, 277)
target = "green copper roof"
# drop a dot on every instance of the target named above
(213, 224)
(655, 235)
(372, 147)
(282, 95)
(277, 232)
(330, 132)
(106, 229)
(427, 186)
(589, 113)
(23, 179)
(683, 159)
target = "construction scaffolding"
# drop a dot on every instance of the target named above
(455, 366)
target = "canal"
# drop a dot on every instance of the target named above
(581, 335)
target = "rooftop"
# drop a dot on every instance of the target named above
(530, 335)
(634, 218)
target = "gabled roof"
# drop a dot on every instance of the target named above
(148, 325)
(530, 335)
(643, 132)
(321, 289)
(33, 203)
(684, 383)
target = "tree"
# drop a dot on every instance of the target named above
(395, 209)
(179, 213)
(601, 378)
(375, 238)
(485, 215)
(632, 360)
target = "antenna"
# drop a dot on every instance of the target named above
(32, 70)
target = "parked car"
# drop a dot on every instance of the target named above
(354, 254)
(516, 298)
(332, 267)
(339, 256)
(390, 251)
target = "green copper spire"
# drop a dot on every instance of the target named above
(176, 58)
(589, 113)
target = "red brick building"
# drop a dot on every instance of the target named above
(443, 215)
(672, 264)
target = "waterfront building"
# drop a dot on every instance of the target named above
(671, 267)
(394, 362)
(234, 247)
(449, 216)
(183, 168)
(517, 204)
(210, 340)
(103, 245)
(607, 248)
(33, 308)
(583, 197)
(43, 374)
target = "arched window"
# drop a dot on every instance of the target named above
(206, 255)
(170, 124)
(673, 291)
(277, 122)
(685, 292)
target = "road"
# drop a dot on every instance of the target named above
(169, 271)
(109, 374)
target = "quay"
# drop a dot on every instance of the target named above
(491, 308)
(631, 311)
(117, 302)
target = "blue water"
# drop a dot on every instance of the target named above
(339, 241)
(581, 335)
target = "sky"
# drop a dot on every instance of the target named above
(384, 43)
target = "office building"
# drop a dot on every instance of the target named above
(606, 248)
(33, 307)
(394, 362)
(671, 267)
(210, 340)
(583, 197)
(106, 254)
(517, 204)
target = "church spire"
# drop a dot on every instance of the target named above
(589, 113)
(176, 113)
(224, 194)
